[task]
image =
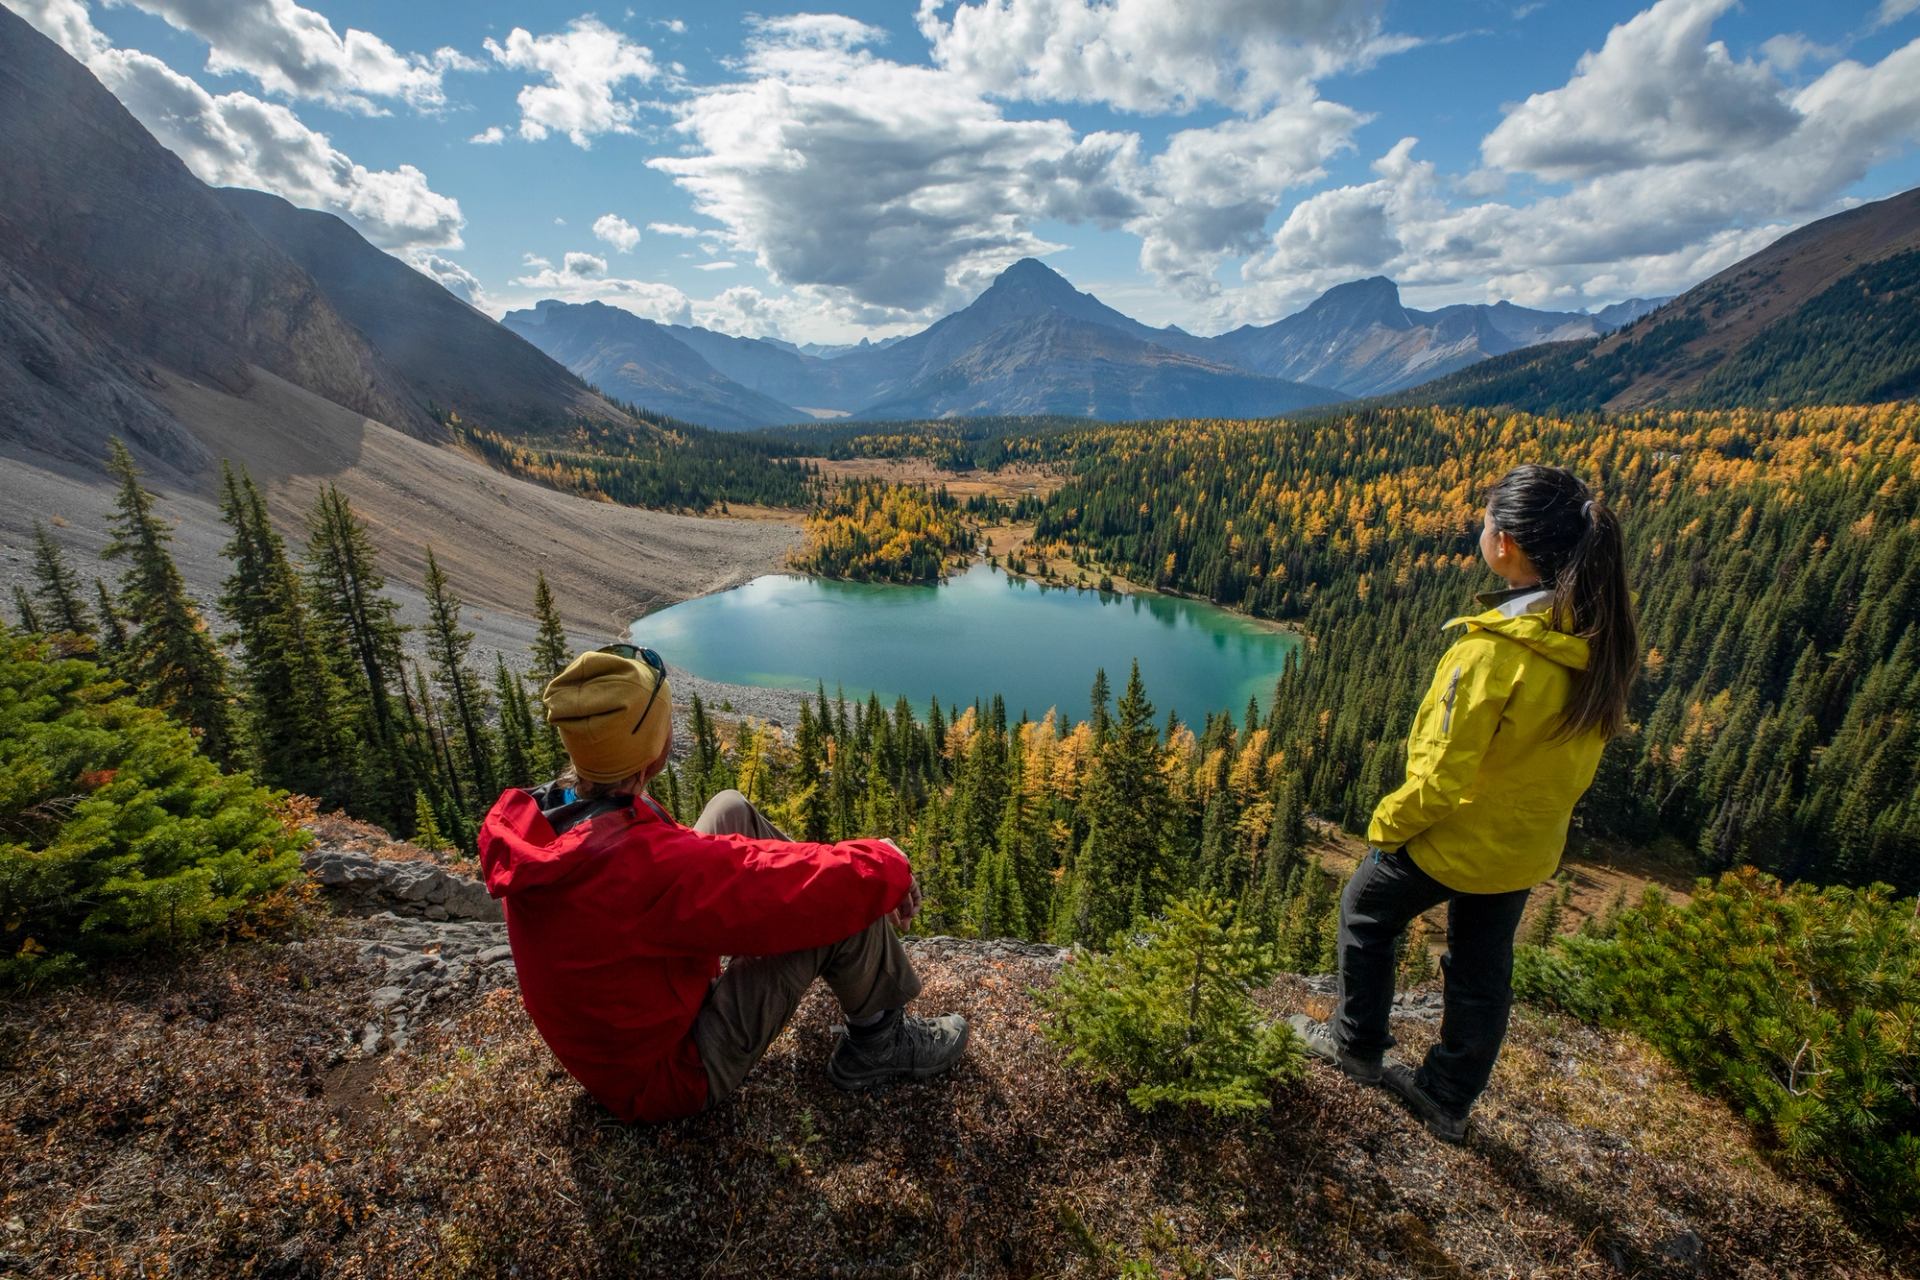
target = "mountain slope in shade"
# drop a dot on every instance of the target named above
(644, 362)
(1358, 339)
(1054, 364)
(1827, 314)
(770, 368)
(452, 357)
(121, 267)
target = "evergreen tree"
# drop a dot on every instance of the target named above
(121, 837)
(300, 738)
(171, 658)
(447, 645)
(1169, 1016)
(551, 654)
(113, 630)
(517, 734)
(59, 589)
(809, 779)
(362, 638)
(1098, 702)
(426, 828)
(1125, 876)
(28, 616)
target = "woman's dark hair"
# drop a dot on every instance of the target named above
(1575, 543)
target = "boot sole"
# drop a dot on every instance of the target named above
(873, 1079)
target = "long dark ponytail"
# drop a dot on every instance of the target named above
(1575, 543)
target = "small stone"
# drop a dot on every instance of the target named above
(494, 955)
(387, 997)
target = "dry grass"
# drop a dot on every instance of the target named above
(206, 1120)
(1007, 483)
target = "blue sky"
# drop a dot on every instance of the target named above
(821, 173)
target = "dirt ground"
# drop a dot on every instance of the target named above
(205, 1117)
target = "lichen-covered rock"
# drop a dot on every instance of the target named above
(406, 888)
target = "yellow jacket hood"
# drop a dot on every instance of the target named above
(1534, 629)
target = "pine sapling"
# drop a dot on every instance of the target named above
(1167, 1013)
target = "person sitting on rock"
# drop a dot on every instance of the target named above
(618, 917)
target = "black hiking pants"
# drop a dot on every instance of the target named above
(1380, 901)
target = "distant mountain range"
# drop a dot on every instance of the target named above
(1032, 343)
(1829, 314)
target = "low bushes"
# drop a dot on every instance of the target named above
(116, 834)
(1798, 1005)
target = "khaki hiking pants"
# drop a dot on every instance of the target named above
(751, 1002)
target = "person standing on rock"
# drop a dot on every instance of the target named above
(1506, 741)
(618, 916)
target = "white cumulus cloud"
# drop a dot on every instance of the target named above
(582, 277)
(296, 52)
(583, 67)
(1659, 91)
(837, 168)
(457, 280)
(491, 136)
(65, 22)
(616, 231)
(1150, 55)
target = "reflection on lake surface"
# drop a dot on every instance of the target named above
(979, 634)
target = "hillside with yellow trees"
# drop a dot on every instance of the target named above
(872, 531)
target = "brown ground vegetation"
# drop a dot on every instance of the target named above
(1007, 483)
(207, 1118)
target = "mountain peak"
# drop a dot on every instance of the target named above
(1357, 303)
(1031, 271)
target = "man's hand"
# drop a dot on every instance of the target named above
(902, 915)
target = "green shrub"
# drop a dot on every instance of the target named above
(1798, 1005)
(1166, 1013)
(116, 834)
(1561, 977)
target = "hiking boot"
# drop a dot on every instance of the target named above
(1318, 1038)
(900, 1048)
(1441, 1123)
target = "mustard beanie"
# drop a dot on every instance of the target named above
(597, 704)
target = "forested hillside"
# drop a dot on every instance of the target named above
(1825, 315)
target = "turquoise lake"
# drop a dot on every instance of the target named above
(978, 634)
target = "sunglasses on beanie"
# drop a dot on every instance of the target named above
(638, 653)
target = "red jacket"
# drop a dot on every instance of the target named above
(618, 925)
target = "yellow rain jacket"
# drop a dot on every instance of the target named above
(1490, 785)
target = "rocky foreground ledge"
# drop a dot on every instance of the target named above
(363, 1096)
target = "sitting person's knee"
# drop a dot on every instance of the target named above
(728, 812)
